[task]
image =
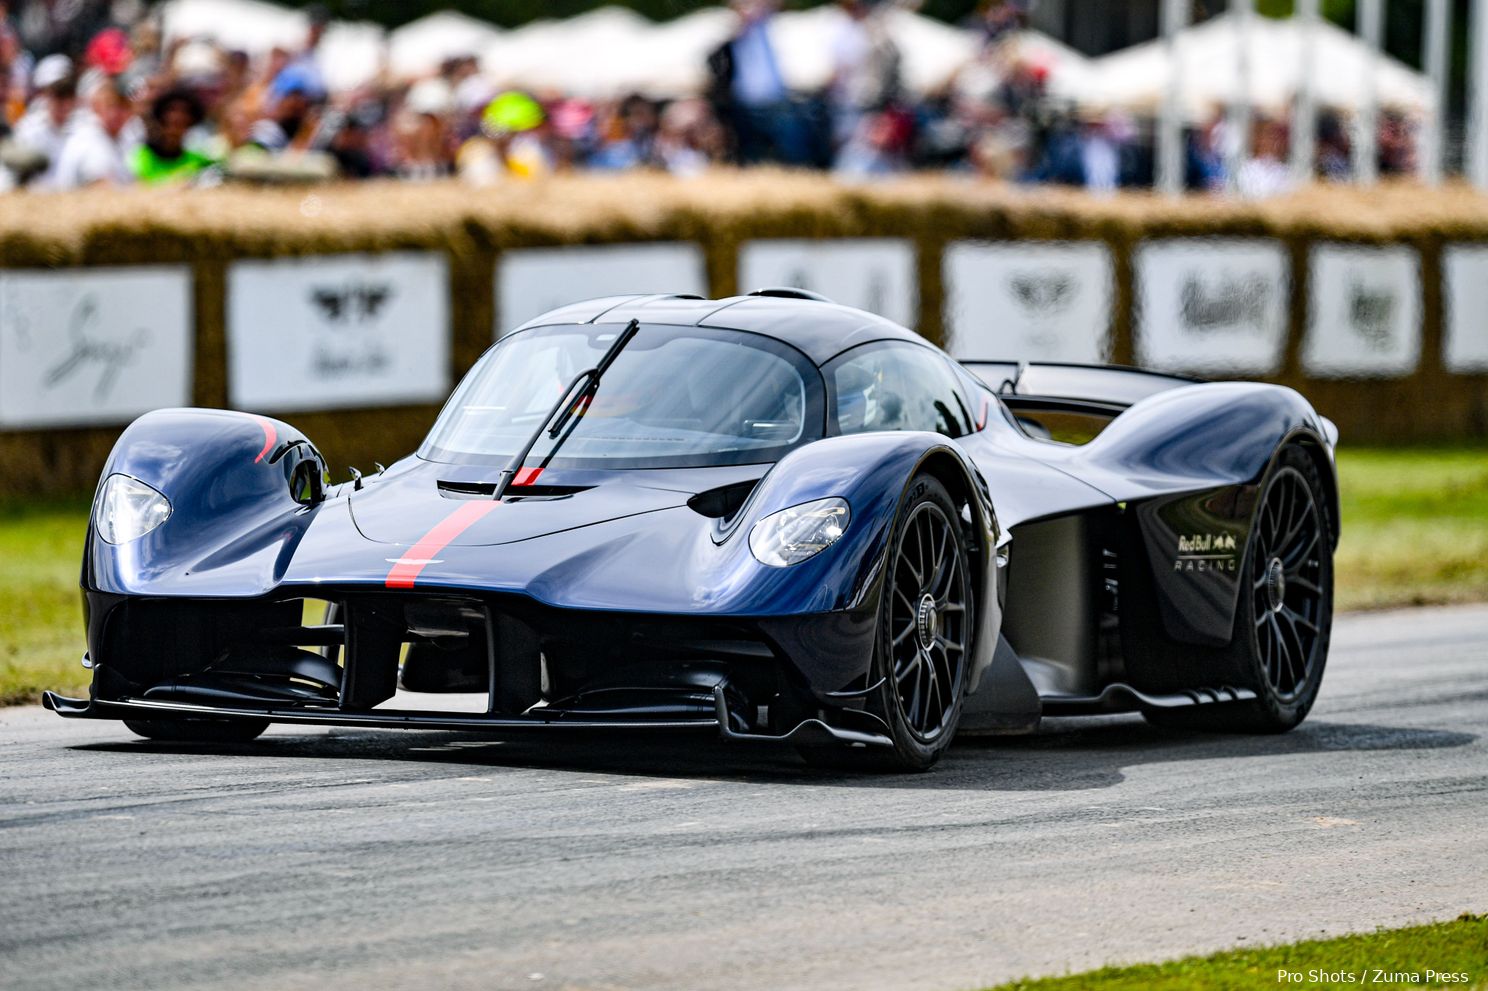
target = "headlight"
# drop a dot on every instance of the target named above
(796, 534)
(128, 509)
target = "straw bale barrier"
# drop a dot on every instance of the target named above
(207, 230)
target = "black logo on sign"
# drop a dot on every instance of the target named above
(1232, 301)
(348, 343)
(352, 303)
(89, 349)
(1370, 314)
(1042, 293)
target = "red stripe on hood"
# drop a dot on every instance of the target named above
(407, 570)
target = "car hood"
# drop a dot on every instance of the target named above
(412, 502)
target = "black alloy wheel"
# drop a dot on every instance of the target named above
(1286, 576)
(928, 631)
(926, 626)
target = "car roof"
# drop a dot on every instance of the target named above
(817, 328)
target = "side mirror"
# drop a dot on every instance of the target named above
(305, 471)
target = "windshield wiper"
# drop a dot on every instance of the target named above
(578, 396)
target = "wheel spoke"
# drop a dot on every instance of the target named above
(930, 686)
(904, 634)
(1304, 584)
(1292, 557)
(923, 572)
(937, 570)
(1283, 651)
(1297, 619)
(1273, 669)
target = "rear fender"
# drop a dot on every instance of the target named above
(1190, 462)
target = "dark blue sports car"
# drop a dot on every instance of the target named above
(768, 517)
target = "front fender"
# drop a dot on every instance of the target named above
(231, 479)
(873, 472)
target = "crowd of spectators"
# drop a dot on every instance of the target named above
(90, 94)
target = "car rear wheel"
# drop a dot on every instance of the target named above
(1285, 610)
(926, 621)
(198, 730)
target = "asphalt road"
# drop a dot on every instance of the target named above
(340, 859)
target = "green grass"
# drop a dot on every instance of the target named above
(1448, 948)
(41, 625)
(1415, 525)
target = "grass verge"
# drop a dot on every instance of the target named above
(1444, 955)
(1415, 524)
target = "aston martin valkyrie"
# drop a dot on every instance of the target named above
(770, 518)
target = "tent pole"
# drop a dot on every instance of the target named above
(1477, 96)
(1237, 145)
(1170, 144)
(1434, 132)
(1304, 111)
(1369, 23)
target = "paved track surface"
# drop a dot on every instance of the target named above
(341, 859)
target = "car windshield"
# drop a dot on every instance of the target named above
(675, 397)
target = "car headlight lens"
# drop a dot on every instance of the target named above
(799, 533)
(128, 509)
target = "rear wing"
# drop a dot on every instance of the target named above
(1093, 388)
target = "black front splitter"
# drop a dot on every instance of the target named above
(812, 731)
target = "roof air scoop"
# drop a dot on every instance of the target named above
(790, 292)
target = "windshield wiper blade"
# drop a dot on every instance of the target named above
(593, 376)
(578, 395)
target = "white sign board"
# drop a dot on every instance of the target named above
(1029, 301)
(1465, 297)
(1211, 306)
(1364, 312)
(873, 274)
(532, 281)
(94, 345)
(339, 331)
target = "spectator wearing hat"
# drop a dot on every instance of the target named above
(163, 158)
(44, 127)
(294, 99)
(510, 143)
(424, 150)
(94, 152)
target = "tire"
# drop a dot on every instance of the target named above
(1284, 612)
(922, 652)
(198, 730)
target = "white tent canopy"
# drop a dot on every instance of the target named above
(418, 48)
(612, 51)
(1137, 78)
(351, 52)
(605, 53)
(251, 26)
